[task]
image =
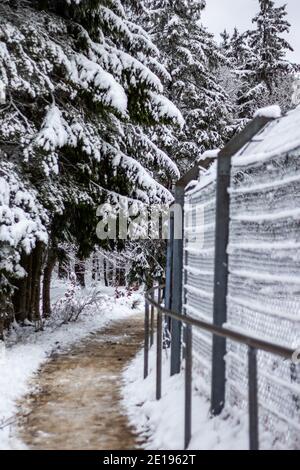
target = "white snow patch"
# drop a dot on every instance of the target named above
(206, 178)
(161, 423)
(210, 154)
(278, 137)
(55, 132)
(165, 108)
(272, 112)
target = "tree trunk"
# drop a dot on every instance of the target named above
(19, 298)
(37, 261)
(80, 272)
(98, 270)
(109, 270)
(1, 329)
(122, 277)
(2, 318)
(105, 272)
(62, 271)
(51, 260)
(117, 277)
(94, 267)
(29, 288)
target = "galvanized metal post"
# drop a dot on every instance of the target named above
(184, 298)
(220, 282)
(159, 350)
(168, 291)
(221, 258)
(152, 323)
(188, 386)
(177, 273)
(253, 400)
(146, 343)
(168, 288)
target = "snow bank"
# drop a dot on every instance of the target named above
(26, 351)
(162, 422)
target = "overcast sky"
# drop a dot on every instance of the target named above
(221, 14)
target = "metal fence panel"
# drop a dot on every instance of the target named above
(264, 272)
(199, 249)
(264, 286)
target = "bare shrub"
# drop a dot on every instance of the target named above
(75, 302)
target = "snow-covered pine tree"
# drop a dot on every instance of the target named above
(262, 65)
(80, 92)
(226, 42)
(148, 265)
(234, 48)
(192, 59)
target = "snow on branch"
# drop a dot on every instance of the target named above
(55, 131)
(104, 87)
(23, 220)
(163, 108)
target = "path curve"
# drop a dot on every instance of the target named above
(78, 402)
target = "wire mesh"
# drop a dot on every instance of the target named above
(264, 289)
(199, 249)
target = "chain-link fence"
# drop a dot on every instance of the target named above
(263, 261)
(200, 215)
(264, 281)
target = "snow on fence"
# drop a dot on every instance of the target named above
(263, 298)
(199, 268)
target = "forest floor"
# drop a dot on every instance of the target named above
(77, 399)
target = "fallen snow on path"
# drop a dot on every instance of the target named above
(161, 423)
(21, 359)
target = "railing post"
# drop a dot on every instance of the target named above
(253, 400)
(146, 343)
(188, 386)
(152, 322)
(177, 273)
(159, 350)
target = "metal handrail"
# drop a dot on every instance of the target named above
(254, 344)
(222, 332)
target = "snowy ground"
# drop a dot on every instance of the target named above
(26, 350)
(161, 423)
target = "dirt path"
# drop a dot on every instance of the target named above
(78, 402)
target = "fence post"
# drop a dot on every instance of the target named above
(221, 257)
(159, 350)
(146, 344)
(188, 386)
(168, 288)
(168, 295)
(152, 322)
(177, 273)
(253, 400)
(220, 282)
